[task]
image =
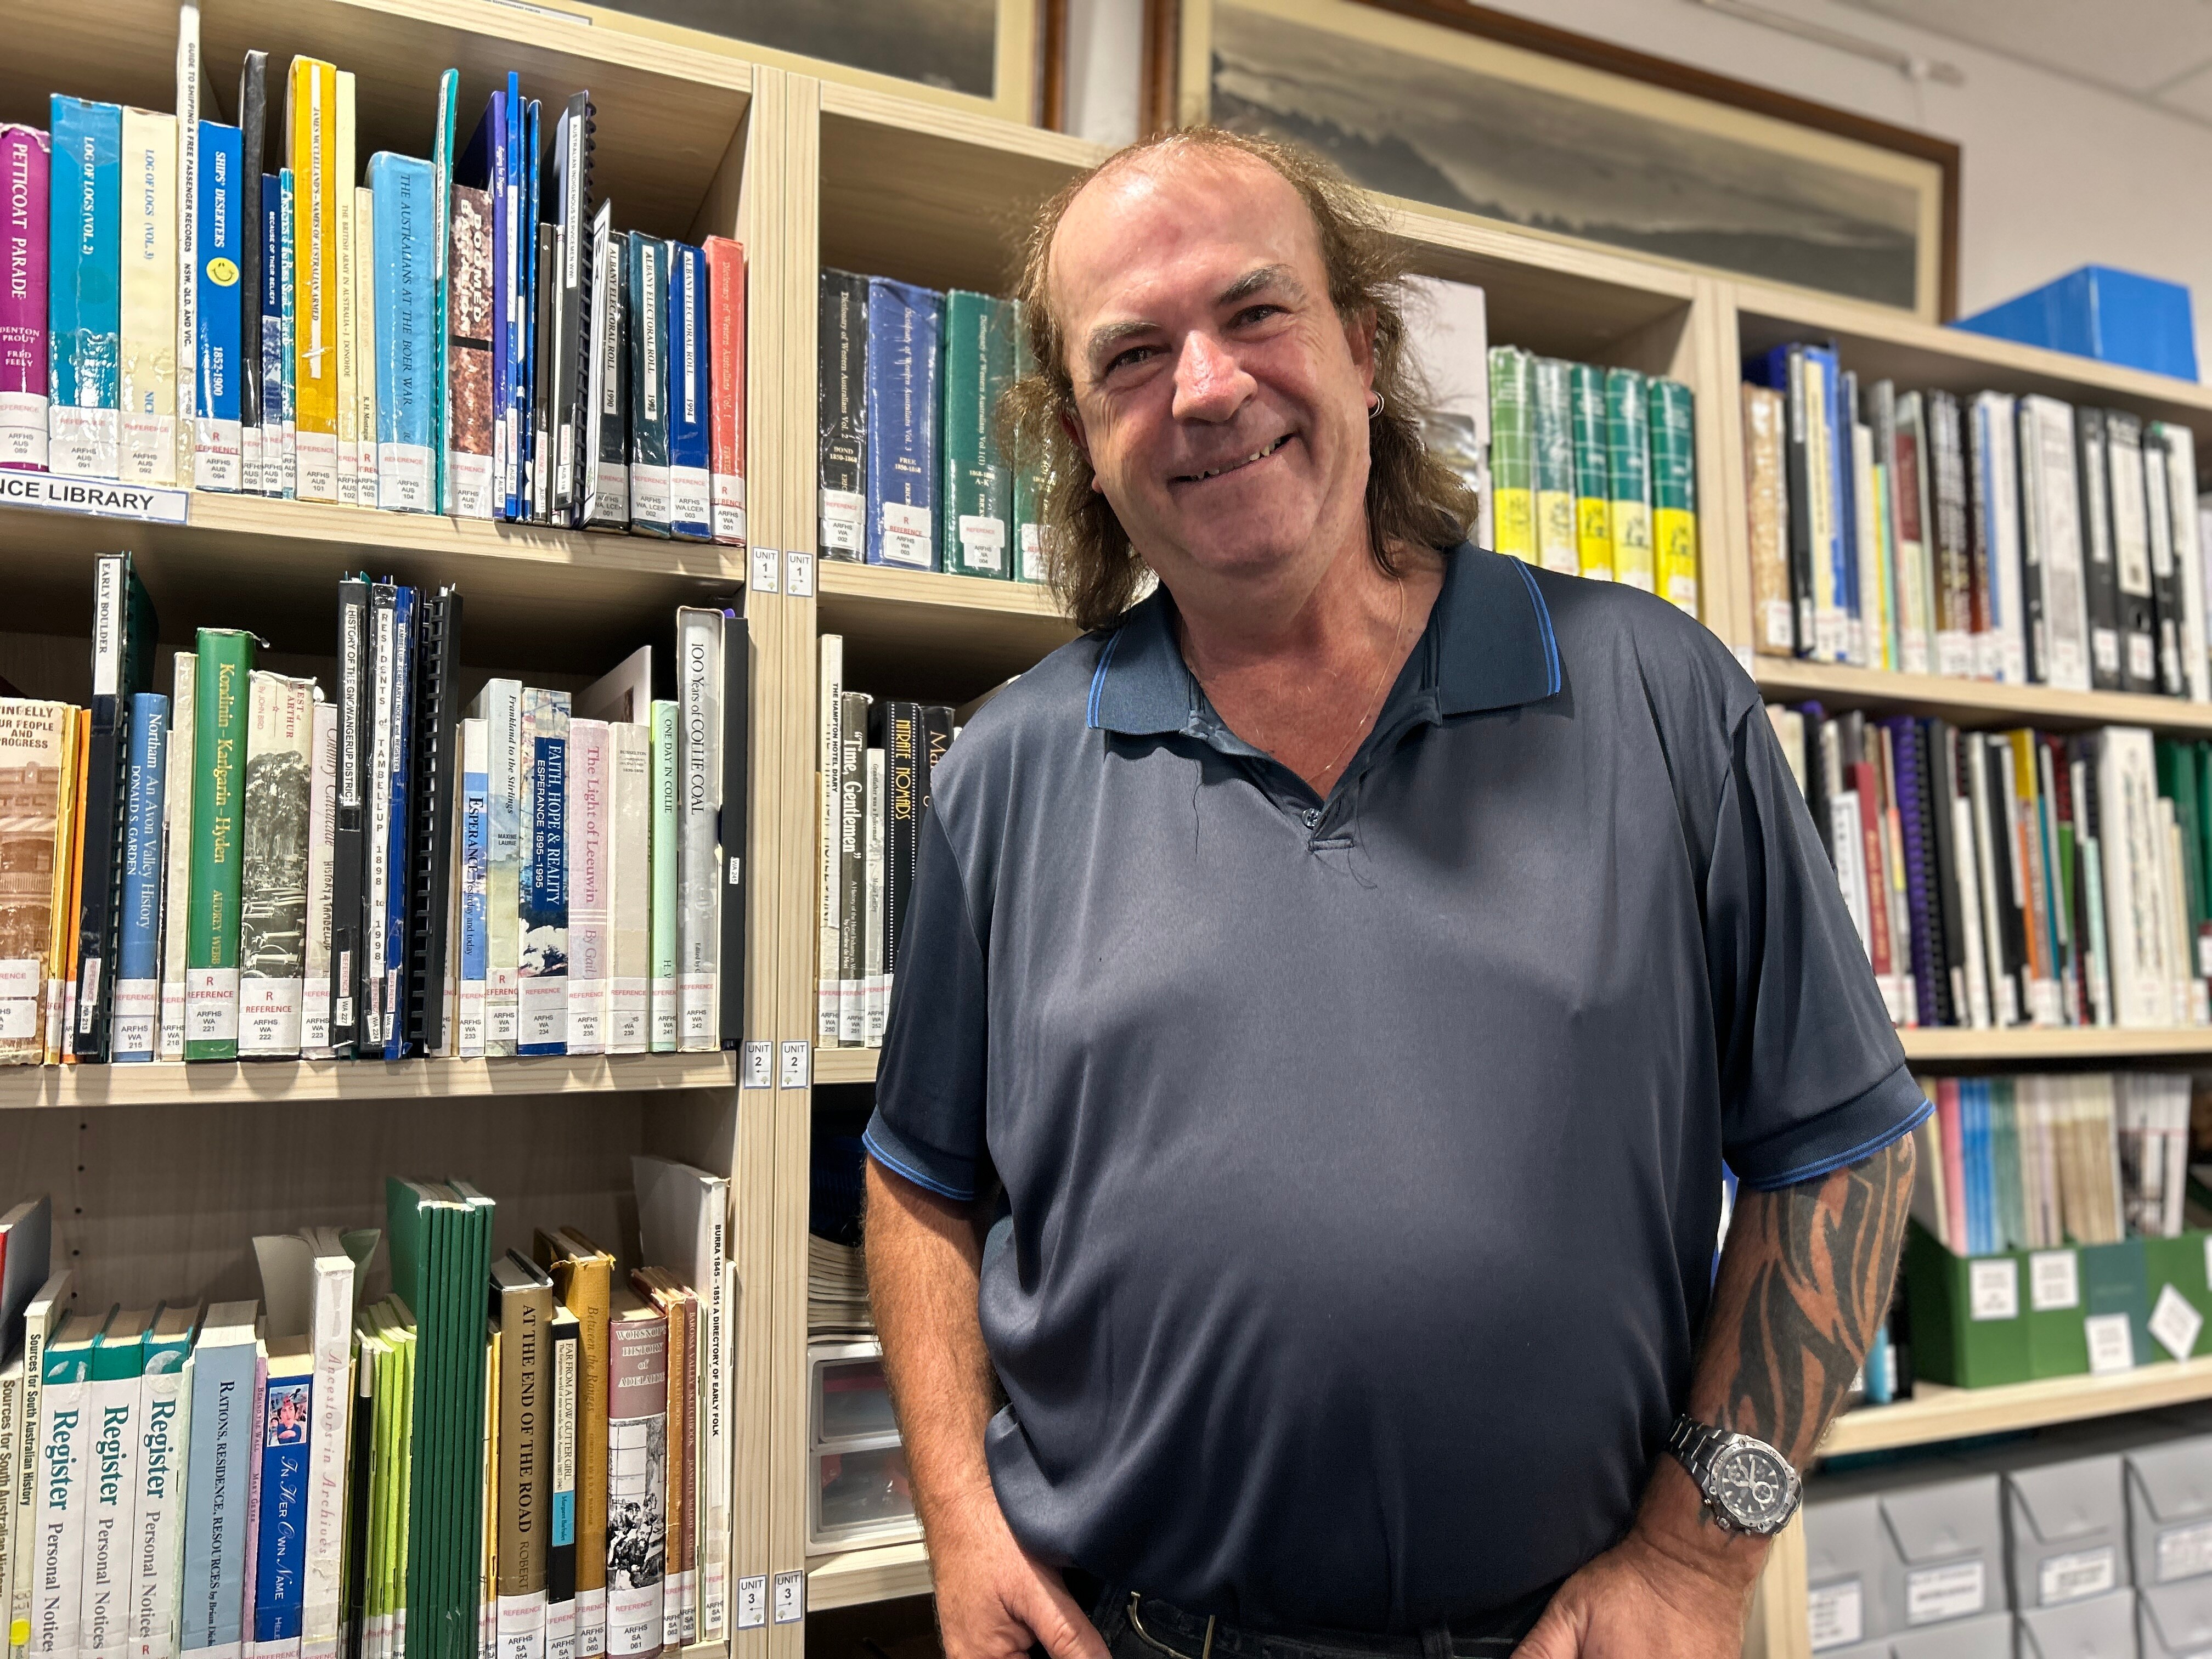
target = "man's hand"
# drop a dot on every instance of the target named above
(994, 1599)
(1637, 1601)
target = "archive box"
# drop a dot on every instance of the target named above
(2007, 1317)
(1990, 1637)
(2066, 1530)
(1889, 1554)
(2174, 1621)
(2102, 1627)
(2169, 1493)
(2114, 316)
(860, 1493)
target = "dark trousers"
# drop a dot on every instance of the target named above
(1145, 1627)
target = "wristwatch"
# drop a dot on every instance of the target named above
(1748, 1486)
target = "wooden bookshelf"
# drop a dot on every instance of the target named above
(846, 1064)
(940, 638)
(875, 1575)
(1974, 702)
(2034, 1045)
(209, 1083)
(1937, 1414)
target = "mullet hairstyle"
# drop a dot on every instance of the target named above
(1412, 498)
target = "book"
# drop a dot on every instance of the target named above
(272, 910)
(542, 975)
(1552, 455)
(345, 307)
(190, 77)
(1512, 453)
(852, 817)
(472, 978)
(2060, 650)
(252, 278)
(26, 183)
(280, 1531)
(700, 691)
(606, 423)
(1674, 492)
(2178, 450)
(875, 985)
(637, 1481)
(469, 356)
(629, 898)
(690, 395)
(69, 887)
(666, 761)
(1592, 493)
(444, 137)
(1995, 499)
(219, 307)
(574, 142)
(564, 1375)
(111, 1495)
(905, 764)
(1774, 624)
(2093, 477)
(366, 487)
(37, 751)
(404, 260)
(973, 487)
(158, 1532)
(1954, 584)
(726, 291)
(433, 785)
(216, 1543)
(522, 1314)
(661, 1289)
(124, 626)
(84, 289)
(731, 821)
(285, 251)
(2166, 589)
(645, 316)
(588, 835)
(66, 1473)
(137, 962)
(357, 729)
(322, 843)
(269, 333)
(312, 141)
(224, 663)
(391, 908)
(2131, 551)
(842, 414)
(499, 705)
(177, 853)
(544, 353)
(902, 405)
(583, 1281)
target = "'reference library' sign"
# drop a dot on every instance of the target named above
(101, 497)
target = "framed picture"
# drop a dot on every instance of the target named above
(1475, 112)
(980, 55)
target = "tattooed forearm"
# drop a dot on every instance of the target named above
(1804, 1284)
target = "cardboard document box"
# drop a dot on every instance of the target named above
(2066, 1530)
(2174, 1621)
(1945, 1561)
(2169, 1493)
(1989, 1636)
(2102, 1627)
(1845, 1550)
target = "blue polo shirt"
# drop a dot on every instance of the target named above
(1363, 1155)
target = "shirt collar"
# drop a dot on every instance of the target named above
(1493, 648)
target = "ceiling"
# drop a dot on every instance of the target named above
(2156, 52)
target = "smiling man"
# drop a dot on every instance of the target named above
(1341, 976)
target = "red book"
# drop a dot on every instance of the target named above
(725, 322)
(1877, 874)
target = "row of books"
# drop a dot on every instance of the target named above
(2016, 877)
(873, 767)
(465, 335)
(526, 1456)
(2019, 539)
(2043, 1159)
(912, 472)
(243, 869)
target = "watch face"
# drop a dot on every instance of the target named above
(1754, 1485)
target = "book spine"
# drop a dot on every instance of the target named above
(273, 889)
(2166, 590)
(288, 331)
(971, 485)
(111, 1502)
(383, 693)
(1842, 418)
(1675, 492)
(2131, 552)
(2180, 454)
(591, 781)
(543, 349)
(310, 147)
(349, 851)
(225, 659)
(544, 974)
(630, 892)
(522, 174)
(100, 810)
(645, 307)
(253, 77)
(137, 955)
(366, 487)
(330, 1400)
(2092, 478)
(270, 332)
(519, 1487)
(322, 847)
(726, 279)
(731, 821)
(1954, 591)
(475, 882)
(398, 788)
(441, 178)
(65, 1474)
(700, 670)
(2060, 632)
(841, 406)
(469, 354)
(433, 784)
(1774, 614)
(606, 439)
(667, 771)
(1552, 458)
(875, 1001)
(14, 1535)
(638, 1469)
(280, 1531)
(902, 414)
(217, 312)
(1628, 477)
(405, 277)
(565, 1374)
(852, 906)
(903, 787)
(690, 413)
(503, 711)
(1512, 453)
(177, 844)
(25, 247)
(84, 289)
(1592, 514)
(69, 884)
(184, 272)
(714, 1453)
(345, 257)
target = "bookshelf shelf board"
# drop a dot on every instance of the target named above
(2026, 1043)
(915, 632)
(533, 596)
(1974, 702)
(1916, 355)
(29, 1087)
(846, 1064)
(852, 1576)
(1936, 1412)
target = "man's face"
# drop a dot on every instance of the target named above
(1222, 400)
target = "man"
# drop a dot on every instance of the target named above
(1353, 963)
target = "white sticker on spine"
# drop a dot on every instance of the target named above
(2070, 1577)
(1955, 1591)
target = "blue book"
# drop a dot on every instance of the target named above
(406, 298)
(543, 981)
(280, 1578)
(272, 339)
(441, 167)
(645, 307)
(288, 367)
(476, 876)
(526, 284)
(1845, 387)
(219, 308)
(138, 941)
(84, 289)
(690, 409)
(401, 826)
(902, 418)
(209, 1608)
(484, 167)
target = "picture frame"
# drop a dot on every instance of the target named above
(1477, 113)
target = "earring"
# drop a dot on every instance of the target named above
(1374, 408)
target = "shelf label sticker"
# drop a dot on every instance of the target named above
(753, 1602)
(2070, 1578)
(1836, 1614)
(98, 497)
(2175, 1323)
(797, 1056)
(790, 1597)
(2112, 1346)
(2054, 1280)
(799, 573)
(1993, 1288)
(765, 577)
(2185, 1552)
(1955, 1591)
(760, 1066)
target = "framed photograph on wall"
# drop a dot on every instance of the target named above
(1479, 113)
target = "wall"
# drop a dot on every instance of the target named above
(2055, 173)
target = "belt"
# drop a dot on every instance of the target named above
(1174, 1634)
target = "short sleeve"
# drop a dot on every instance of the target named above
(929, 1119)
(1811, 1075)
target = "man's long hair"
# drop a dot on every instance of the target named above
(1412, 498)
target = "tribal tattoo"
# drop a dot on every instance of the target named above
(1806, 1277)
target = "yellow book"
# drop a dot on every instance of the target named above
(311, 113)
(1593, 504)
(583, 1283)
(149, 390)
(1551, 429)
(364, 345)
(350, 266)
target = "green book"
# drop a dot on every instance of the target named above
(974, 534)
(1512, 463)
(1593, 495)
(1552, 447)
(1675, 490)
(225, 661)
(665, 761)
(1628, 477)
